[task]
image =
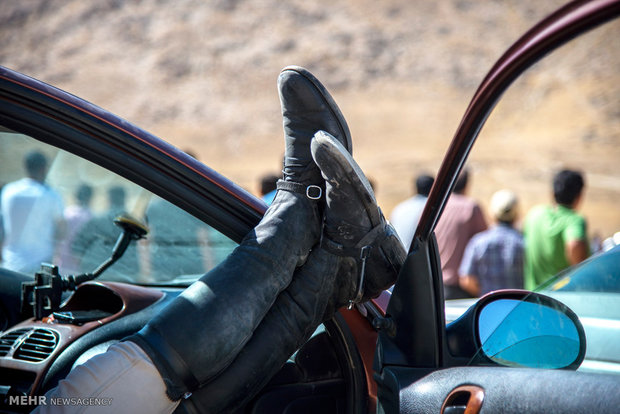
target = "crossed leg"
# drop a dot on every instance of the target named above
(281, 282)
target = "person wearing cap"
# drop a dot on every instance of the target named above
(268, 187)
(493, 259)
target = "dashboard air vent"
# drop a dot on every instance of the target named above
(9, 339)
(39, 344)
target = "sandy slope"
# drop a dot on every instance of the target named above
(201, 74)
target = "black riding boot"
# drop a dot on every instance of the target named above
(355, 228)
(333, 276)
(201, 331)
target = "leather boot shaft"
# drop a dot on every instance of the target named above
(296, 314)
(307, 107)
(222, 309)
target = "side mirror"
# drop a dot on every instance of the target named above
(518, 329)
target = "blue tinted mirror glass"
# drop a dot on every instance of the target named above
(527, 334)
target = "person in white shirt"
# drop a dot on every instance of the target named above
(406, 215)
(32, 217)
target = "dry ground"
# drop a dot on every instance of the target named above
(201, 74)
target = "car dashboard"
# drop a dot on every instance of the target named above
(35, 354)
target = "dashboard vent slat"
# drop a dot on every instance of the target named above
(39, 344)
(9, 339)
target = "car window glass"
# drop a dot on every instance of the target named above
(563, 113)
(57, 207)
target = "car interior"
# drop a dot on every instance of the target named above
(129, 290)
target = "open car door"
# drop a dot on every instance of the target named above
(423, 367)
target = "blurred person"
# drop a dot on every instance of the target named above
(191, 153)
(461, 219)
(31, 217)
(178, 243)
(94, 242)
(75, 217)
(493, 258)
(117, 197)
(268, 187)
(556, 235)
(406, 215)
(610, 242)
(596, 244)
(373, 184)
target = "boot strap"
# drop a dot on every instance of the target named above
(313, 192)
(359, 252)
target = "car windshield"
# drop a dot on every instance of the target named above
(599, 274)
(592, 290)
(59, 208)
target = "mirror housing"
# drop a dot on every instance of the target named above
(518, 328)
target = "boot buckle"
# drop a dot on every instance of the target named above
(364, 252)
(314, 192)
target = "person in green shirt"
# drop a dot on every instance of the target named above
(555, 235)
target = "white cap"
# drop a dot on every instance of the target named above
(504, 205)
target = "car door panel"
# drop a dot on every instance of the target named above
(506, 390)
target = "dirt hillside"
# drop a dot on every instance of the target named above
(201, 74)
